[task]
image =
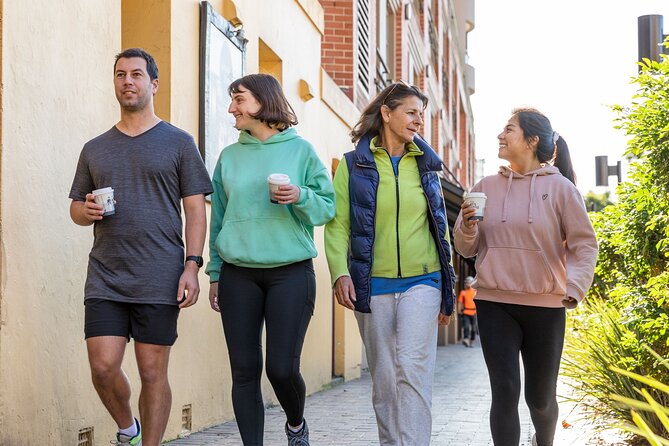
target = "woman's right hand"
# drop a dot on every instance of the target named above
(345, 292)
(468, 211)
(213, 296)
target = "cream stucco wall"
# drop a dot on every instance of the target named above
(57, 77)
(57, 93)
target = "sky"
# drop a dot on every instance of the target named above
(570, 59)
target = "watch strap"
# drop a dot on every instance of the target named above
(197, 259)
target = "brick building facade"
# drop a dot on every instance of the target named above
(368, 44)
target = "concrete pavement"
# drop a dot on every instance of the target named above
(343, 415)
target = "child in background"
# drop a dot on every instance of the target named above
(467, 310)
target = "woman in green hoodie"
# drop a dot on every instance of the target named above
(261, 246)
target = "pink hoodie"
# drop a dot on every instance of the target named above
(536, 244)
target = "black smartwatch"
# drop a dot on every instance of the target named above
(197, 259)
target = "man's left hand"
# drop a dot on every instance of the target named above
(189, 286)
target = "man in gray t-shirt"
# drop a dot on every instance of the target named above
(138, 278)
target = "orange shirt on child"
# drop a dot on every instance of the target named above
(466, 299)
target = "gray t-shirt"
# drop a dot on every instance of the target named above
(138, 253)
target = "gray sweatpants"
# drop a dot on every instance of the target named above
(400, 337)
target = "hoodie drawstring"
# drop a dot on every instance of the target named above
(506, 197)
(529, 216)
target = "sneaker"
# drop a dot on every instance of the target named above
(299, 438)
(124, 440)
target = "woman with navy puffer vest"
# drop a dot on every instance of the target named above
(390, 259)
(535, 256)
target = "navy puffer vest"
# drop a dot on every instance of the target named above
(362, 186)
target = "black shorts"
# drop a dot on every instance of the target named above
(146, 323)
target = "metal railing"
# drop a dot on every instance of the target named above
(382, 79)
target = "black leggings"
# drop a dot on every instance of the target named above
(283, 298)
(537, 333)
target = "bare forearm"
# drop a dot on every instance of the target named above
(78, 213)
(196, 224)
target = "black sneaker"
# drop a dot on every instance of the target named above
(299, 438)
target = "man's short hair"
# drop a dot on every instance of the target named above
(151, 66)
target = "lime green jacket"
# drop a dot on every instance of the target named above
(403, 244)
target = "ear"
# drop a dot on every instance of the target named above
(532, 142)
(385, 113)
(154, 86)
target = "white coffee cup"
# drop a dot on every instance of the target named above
(274, 181)
(105, 197)
(477, 201)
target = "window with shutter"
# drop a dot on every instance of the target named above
(363, 45)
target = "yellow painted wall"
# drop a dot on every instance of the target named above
(146, 24)
(57, 93)
(199, 367)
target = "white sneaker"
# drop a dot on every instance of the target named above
(124, 440)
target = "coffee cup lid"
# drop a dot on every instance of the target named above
(279, 178)
(475, 195)
(104, 190)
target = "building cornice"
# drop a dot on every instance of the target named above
(337, 101)
(314, 12)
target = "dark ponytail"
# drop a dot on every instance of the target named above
(549, 150)
(563, 160)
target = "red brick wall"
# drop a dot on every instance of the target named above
(399, 44)
(435, 132)
(463, 144)
(337, 44)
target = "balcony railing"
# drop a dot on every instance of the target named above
(382, 79)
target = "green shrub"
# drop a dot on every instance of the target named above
(628, 305)
(596, 341)
(645, 406)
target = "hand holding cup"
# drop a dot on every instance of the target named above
(92, 210)
(105, 197)
(287, 194)
(473, 207)
(280, 189)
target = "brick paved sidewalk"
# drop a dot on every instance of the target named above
(344, 416)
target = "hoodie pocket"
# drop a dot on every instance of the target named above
(264, 241)
(515, 269)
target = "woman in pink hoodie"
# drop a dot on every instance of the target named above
(535, 256)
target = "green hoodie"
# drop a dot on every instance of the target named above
(247, 229)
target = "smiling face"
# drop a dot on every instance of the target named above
(243, 107)
(403, 122)
(513, 146)
(133, 85)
